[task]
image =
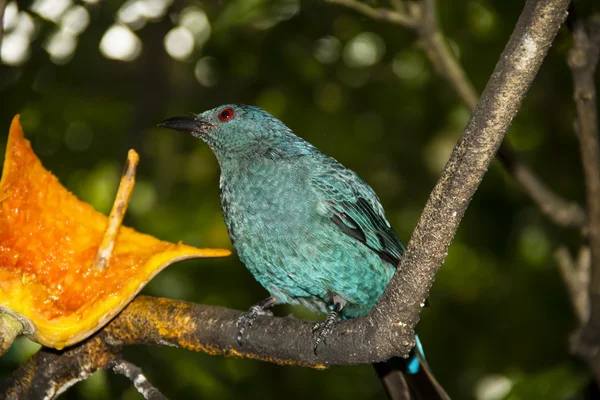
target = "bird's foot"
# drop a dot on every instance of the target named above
(324, 329)
(246, 321)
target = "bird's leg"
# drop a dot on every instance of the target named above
(262, 308)
(325, 328)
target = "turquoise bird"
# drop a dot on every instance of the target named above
(310, 231)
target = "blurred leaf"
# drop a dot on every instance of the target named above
(558, 383)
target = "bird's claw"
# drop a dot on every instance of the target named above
(245, 321)
(324, 329)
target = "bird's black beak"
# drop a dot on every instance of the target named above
(188, 124)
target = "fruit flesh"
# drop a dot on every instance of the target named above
(48, 244)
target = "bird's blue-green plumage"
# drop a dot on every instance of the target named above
(310, 230)
(306, 227)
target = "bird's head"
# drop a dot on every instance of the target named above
(235, 131)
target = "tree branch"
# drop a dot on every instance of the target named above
(583, 60)
(471, 157)
(380, 14)
(388, 330)
(576, 275)
(135, 375)
(10, 328)
(560, 211)
(49, 372)
(440, 55)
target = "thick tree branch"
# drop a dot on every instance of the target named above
(583, 60)
(388, 330)
(560, 211)
(471, 157)
(49, 372)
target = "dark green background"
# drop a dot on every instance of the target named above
(498, 306)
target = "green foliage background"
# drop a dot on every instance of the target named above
(499, 310)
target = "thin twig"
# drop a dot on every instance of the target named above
(135, 375)
(583, 60)
(399, 6)
(577, 278)
(118, 211)
(560, 211)
(441, 56)
(485, 130)
(380, 14)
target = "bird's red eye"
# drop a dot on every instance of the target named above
(226, 114)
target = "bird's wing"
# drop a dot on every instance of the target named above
(354, 207)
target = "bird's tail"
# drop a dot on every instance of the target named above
(411, 378)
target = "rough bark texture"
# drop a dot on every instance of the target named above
(469, 161)
(49, 373)
(385, 332)
(135, 375)
(583, 60)
(10, 328)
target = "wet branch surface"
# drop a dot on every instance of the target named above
(388, 330)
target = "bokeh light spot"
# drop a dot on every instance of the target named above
(196, 21)
(120, 43)
(327, 50)
(79, 136)
(481, 19)
(409, 66)
(364, 50)
(76, 20)
(329, 97)
(26, 24)
(61, 45)
(131, 13)
(51, 10)
(15, 49)
(11, 16)
(15, 44)
(154, 9)
(534, 245)
(179, 43)
(493, 387)
(143, 198)
(206, 72)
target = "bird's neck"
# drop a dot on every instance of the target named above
(261, 153)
